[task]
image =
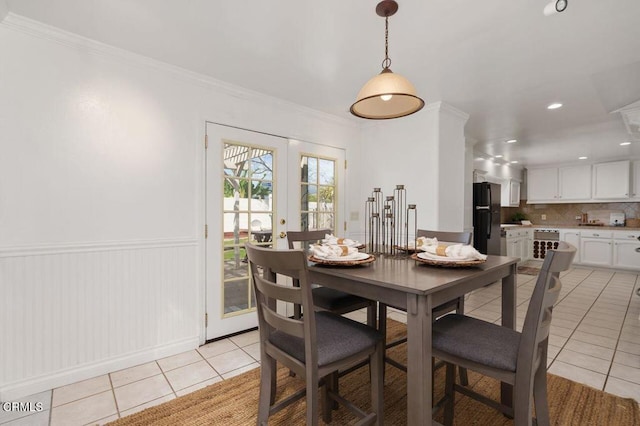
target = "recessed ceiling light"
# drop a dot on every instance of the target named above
(514, 162)
(498, 156)
(555, 105)
(479, 158)
(512, 141)
(625, 143)
(582, 158)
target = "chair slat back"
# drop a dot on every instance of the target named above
(450, 237)
(537, 323)
(265, 264)
(313, 235)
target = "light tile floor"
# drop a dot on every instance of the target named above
(595, 339)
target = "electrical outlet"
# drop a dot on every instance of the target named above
(543, 217)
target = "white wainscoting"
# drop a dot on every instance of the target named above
(74, 311)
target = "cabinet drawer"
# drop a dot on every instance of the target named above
(596, 234)
(626, 235)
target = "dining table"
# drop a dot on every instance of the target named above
(416, 288)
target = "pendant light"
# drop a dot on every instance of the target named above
(386, 95)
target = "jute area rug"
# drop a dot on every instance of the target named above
(527, 270)
(235, 401)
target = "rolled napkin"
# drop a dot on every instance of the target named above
(333, 251)
(423, 242)
(455, 252)
(332, 240)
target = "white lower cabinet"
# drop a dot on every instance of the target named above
(519, 243)
(596, 247)
(626, 249)
(596, 251)
(626, 254)
(607, 248)
(572, 237)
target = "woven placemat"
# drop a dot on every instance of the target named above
(457, 264)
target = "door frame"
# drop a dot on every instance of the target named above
(299, 146)
(213, 304)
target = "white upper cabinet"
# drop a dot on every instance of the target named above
(574, 183)
(542, 184)
(510, 193)
(611, 180)
(514, 192)
(559, 184)
(635, 180)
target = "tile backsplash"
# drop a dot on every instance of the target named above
(565, 214)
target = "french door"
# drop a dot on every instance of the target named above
(246, 193)
(317, 183)
(258, 186)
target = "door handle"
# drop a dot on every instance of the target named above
(638, 250)
(283, 234)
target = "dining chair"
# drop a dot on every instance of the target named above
(325, 298)
(456, 305)
(315, 346)
(519, 359)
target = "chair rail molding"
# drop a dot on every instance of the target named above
(75, 311)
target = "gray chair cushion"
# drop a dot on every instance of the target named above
(476, 340)
(337, 338)
(335, 300)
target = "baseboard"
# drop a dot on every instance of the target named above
(16, 390)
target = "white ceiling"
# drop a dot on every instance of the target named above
(501, 61)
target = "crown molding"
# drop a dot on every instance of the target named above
(44, 31)
(441, 107)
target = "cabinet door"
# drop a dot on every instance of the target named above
(542, 184)
(514, 247)
(524, 248)
(626, 254)
(574, 183)
(505, 198)
(514, 193)
(611, 180)
(572, 238)
(596, 251)
(635, 180)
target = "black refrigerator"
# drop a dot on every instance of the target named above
(486, 217)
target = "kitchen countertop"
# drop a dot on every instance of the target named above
(551, 226)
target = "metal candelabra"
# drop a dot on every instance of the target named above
(387, 223)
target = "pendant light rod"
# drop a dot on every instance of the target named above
(385, 9)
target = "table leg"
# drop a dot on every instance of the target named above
(508, 320)
(419, 360)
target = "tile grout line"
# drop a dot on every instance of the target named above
(50, 407)
(168, 381)
(578, 325)
(113, 392)
(606, 379)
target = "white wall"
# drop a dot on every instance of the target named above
(101, 201)
(426, 153)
